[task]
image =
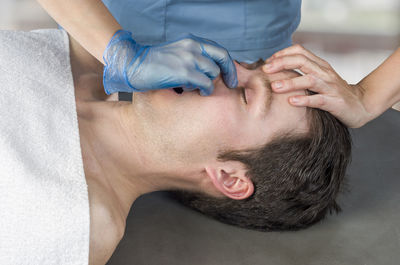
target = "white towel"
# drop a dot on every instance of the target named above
(44, 205)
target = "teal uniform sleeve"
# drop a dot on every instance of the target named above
(249, 30)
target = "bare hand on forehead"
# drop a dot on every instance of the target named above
(334, 94)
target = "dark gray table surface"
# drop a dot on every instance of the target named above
(366, 232)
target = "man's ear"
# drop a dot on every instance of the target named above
(230, 178)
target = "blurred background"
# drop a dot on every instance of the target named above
(354, 36)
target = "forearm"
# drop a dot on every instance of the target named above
(88, 21)
(382, 87)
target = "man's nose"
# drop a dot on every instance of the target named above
(243, 74)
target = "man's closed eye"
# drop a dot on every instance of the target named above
(243, 92)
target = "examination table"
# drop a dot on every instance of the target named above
(160, 231)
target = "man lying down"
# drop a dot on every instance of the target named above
(74, 162)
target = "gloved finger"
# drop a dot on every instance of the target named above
(207, 66)
(307, 81)
(199, 80)
(298, 49)
(221, 56)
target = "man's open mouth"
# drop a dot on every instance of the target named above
(178, 90)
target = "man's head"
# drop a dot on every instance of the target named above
(263, 164)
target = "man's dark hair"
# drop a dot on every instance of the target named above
(297, 178)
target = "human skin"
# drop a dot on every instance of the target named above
(354, 105)
(87, 73)
(162, 140)
(88, 21)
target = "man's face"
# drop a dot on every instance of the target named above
(191, 128)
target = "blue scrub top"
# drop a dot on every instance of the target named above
(249, 29)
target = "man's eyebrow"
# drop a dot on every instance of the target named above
(268, 99)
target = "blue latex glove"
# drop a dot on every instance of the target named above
(190, 62)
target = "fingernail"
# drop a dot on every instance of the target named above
(295, 100)
(267, 66)
(277, 85)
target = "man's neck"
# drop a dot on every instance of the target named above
(116, 155)
(104, 152)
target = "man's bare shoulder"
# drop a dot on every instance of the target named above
(107, 227)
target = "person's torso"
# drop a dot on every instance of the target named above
(242, 26)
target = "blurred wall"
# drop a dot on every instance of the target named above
(24, 15)
(354, 36)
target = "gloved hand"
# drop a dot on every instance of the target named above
(190, 62)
